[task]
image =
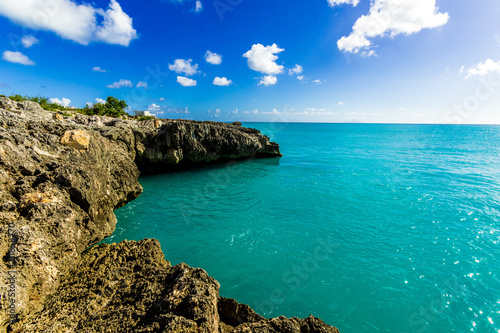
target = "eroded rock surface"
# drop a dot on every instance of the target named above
(130, 287)
(61, 178)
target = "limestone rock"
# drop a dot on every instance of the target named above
(57, 116)
(130, 287)
(77, 139)
(289, 325)
(174, 156)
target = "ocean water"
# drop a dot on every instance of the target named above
(373, 228)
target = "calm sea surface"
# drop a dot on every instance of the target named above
(373, 228)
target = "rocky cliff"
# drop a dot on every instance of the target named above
(61, 177)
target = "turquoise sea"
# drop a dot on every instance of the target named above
(373, 228)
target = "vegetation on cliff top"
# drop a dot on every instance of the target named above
(113, 107)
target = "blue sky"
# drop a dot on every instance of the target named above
(409, 61)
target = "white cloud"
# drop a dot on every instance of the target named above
(296, 70)
(117, 26)
(142, 84)
(263, 59)
(391, 18)
(90, 104)
(98, 69)
(154, 107)
(120, 84)
(100, 101)
(222, 81)
(198, 7)
(300, 77)
(178, 110)
(368, 53)
(484, 68)
(268, 80)
(63, 102)
(28, 41)
(461, 70)
(69, 20)
(186, 82)
(341, 103)
(334, 3)
(17, 57)
(252, 112)
(162, 99)
(317, 81)
(213, 58)
(272, 112)
(184, 66)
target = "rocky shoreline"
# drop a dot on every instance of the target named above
(61, 178)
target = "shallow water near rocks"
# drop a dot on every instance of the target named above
(372, 228)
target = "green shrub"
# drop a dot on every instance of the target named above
(43, 101)
(142, 118)
(112, 108)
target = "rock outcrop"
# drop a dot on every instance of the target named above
(61, 178)
(130, 287)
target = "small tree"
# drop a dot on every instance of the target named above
(112, 108)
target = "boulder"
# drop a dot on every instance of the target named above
(77, 139)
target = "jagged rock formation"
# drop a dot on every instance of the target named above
(61, 178)
(132, 288)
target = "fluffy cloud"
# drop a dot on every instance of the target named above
(484, 68)
(334, 3)
(154, 107)
(186, 82)
(300, 77)
(263, 59)
(268, 80)
(142, 84)
(97, 101)
(222, 81)
(184, 66)
(296, 70)
(391, 18)
(198, 7)
(28, 41)
(73, 21)
(117, 26)
(317, 81)
(63, 102)
(17, 57)
(120, 84)
(213, 58)
(98, 69)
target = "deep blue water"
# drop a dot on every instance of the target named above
(373, 228)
